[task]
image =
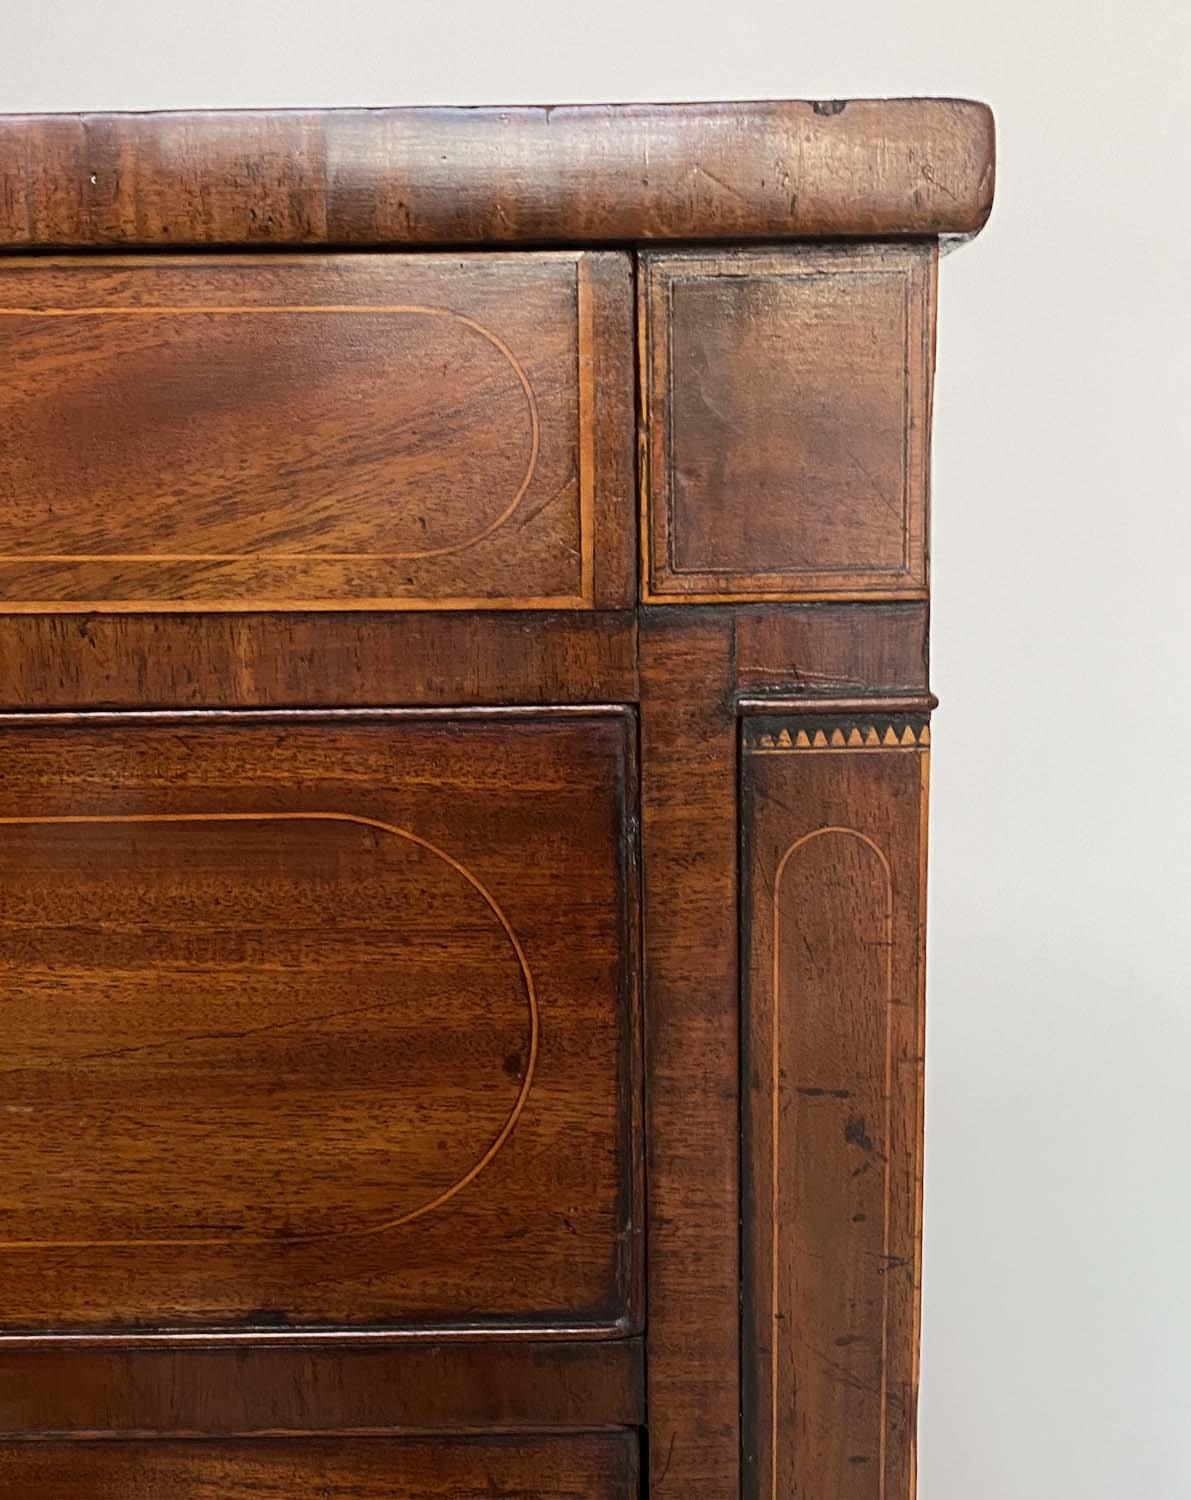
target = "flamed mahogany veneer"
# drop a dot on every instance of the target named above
(464, 728)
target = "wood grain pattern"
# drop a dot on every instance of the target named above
(439, 660)
(598, 1466)
(834, 906)
(365, 432)
(787, 416)
(571, 174)
(831, 648)
(291, 660)
(294, 1385)
(304, 1023)
(689, 835)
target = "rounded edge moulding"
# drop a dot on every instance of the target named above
(589, 174)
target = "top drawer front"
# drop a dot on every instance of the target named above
(384, 432)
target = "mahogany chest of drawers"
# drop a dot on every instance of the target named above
(463, 764)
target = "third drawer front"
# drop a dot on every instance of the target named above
(369, 431)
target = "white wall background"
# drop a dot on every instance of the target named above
(1057, 1358)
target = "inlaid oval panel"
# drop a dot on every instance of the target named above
(336, 1045)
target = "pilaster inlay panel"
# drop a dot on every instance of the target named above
(834, 868)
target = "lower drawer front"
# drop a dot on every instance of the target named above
(317, 1023)
(595, 1466)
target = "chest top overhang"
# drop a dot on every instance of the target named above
(589, 174)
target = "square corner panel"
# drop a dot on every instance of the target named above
(318, 1023)
(787, 406)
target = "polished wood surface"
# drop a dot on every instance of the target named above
(834, 812)
(437, 660)
(82, 1390)
(569, 174)
(762, 481)
(366, 431)
(832, 648)
(339, 661)
(464, 714)
(315, 1023)
(596, 1466)
(689, 834)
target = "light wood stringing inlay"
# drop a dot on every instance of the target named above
(786, 400)
(776, 1084)
(274, 1061)
(361, 309)
(401, 833)
(829, 1391)
(152, 471)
